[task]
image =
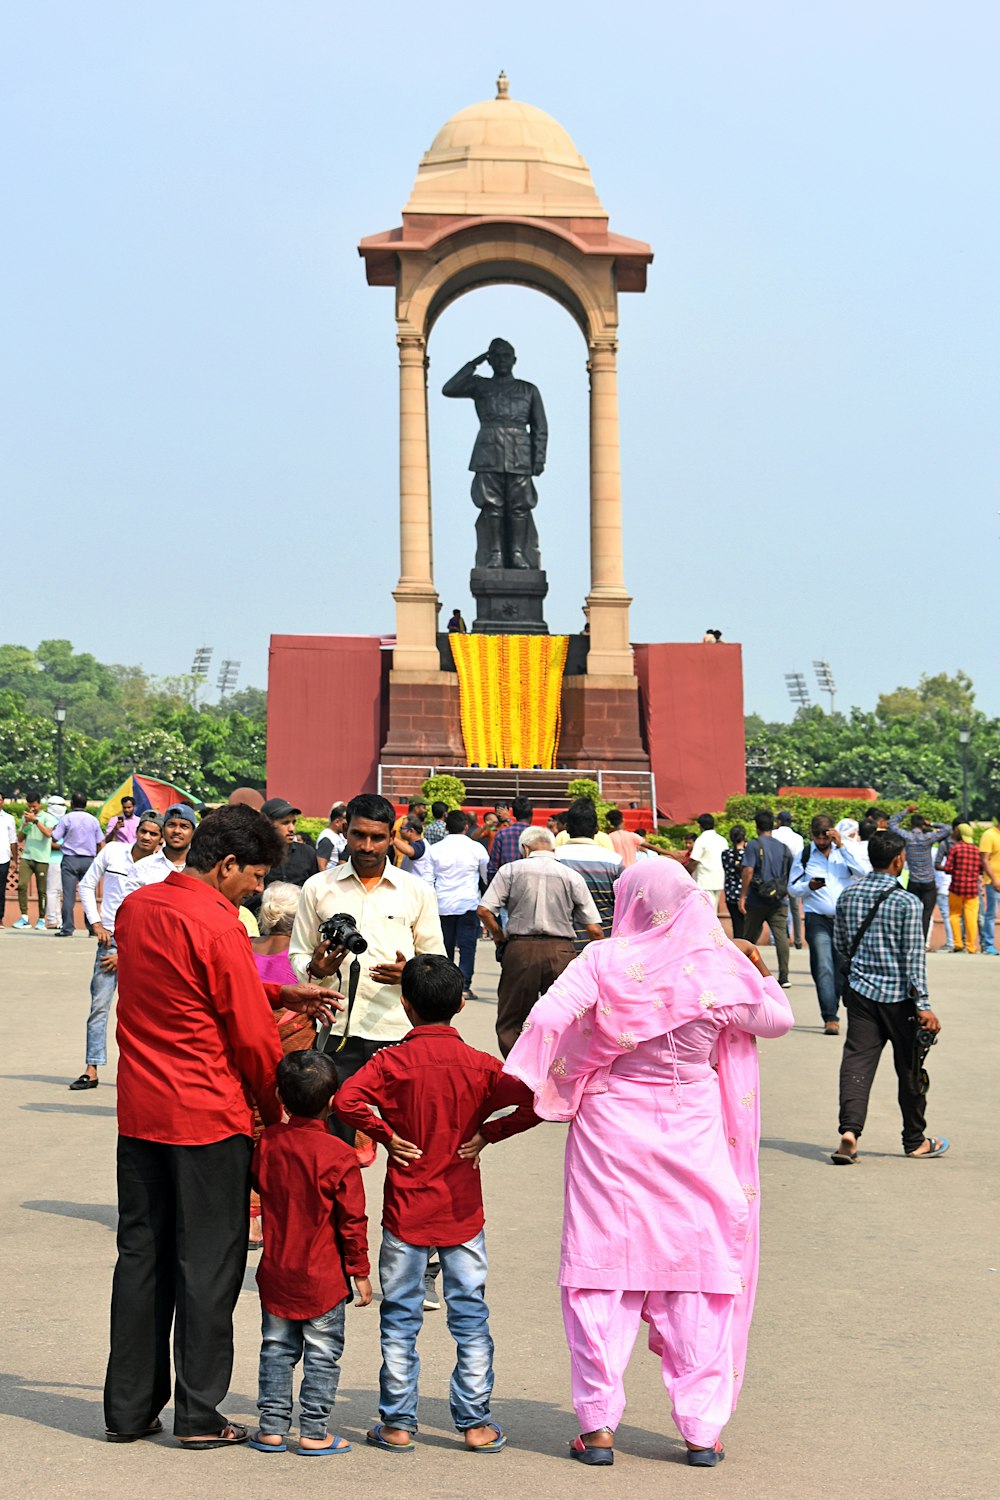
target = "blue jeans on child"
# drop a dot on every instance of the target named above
(103, 984)
(401, 1270)
(988, 903)
(319, 1343)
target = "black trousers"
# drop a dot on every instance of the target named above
(182, 1250)
(4, 872)
(870, 1024)
(736, 917)
(356, 1051)
(927, 896)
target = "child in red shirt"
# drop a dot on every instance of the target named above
(313, 1209)
(433, 1093)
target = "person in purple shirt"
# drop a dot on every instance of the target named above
(124, 828)
(80, 836)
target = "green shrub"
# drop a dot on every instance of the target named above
(444, 788)
(804, 809)
(583, 787)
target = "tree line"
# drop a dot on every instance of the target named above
(120, 719)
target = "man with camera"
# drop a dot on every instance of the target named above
(379, 916)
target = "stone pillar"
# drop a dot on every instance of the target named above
(607, 603)
(415, 595)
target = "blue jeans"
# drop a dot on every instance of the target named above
(942, 906)
(401, 1269)
(462, 932)
(102, 992)
(319, 1343)
(824, 963)
(988, 903)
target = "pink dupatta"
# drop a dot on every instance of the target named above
(666, 962)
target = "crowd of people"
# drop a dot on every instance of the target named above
(280, 1019)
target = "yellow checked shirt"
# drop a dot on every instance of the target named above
(400, 913)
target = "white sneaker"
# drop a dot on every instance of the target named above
(22, 922)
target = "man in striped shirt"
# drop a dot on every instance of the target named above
(885, 996)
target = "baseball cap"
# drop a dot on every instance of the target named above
(181, 810)
(279, 807)
(784, 816)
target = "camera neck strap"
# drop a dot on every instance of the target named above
(353, 979)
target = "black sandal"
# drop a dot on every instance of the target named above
(133, 1437)
(201, 1445)
(593, 1456)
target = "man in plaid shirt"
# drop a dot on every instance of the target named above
(506, 846)
(885, 996)
(966, 866)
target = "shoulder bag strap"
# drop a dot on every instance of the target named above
(869, 919)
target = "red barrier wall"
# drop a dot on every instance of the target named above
(324, 718)
(692, 717)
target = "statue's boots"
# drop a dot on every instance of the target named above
(494, 538)
(518, 539)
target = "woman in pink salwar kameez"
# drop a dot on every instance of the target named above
(645, 1044)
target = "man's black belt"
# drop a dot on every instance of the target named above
(538, 937)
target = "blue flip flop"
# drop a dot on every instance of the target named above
(376, 1440)
(324, 1452)
(938, 1148)
(254, 1442)
(500, 1441)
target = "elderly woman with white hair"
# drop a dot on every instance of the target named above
(544, 901)
(296, 1032)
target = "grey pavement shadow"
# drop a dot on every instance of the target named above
(81, 1415)
(98, 1213)
(71, 1109)
(812, 1152)
(532, 1426)
(63, 1082)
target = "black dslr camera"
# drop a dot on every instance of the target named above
(340, 932)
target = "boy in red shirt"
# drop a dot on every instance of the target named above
(313, 1208)
(433, 1093)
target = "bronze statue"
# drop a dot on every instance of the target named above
(509, 453)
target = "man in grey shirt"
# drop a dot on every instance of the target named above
(545, 901)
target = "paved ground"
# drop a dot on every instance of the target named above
(873, 1357)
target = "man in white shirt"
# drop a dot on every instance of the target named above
(706, 859)
(785, 834)
(179, 824)
(456, 868)
(822, 871)
(8, 853)
(113, 870)
(397, 916)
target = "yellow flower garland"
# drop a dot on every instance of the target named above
(510, 687)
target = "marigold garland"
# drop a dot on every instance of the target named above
(510, 688)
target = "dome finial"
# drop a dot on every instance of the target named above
(503, 86)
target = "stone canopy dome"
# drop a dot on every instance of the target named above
(504, 157)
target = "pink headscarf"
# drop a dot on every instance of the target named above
(666, 962)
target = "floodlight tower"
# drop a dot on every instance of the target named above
(824, 680)
(798, 689)
(228, 675)
(202, 661)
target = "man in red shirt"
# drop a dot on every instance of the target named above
(197, 1041)
(966, 866)
(433, 1093)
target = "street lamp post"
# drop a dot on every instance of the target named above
(60, 718)
(963, 740)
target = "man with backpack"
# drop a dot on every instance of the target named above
(825, 867)
(879, 935)
(767, 865)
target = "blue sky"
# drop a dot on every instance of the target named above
(199, 391)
